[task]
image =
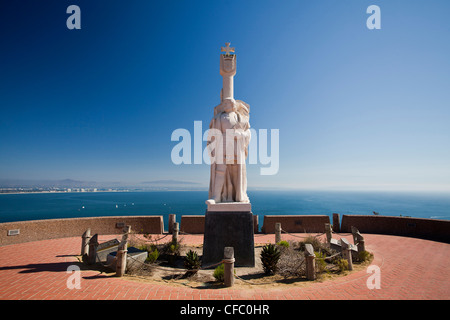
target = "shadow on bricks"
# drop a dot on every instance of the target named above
(43, 267)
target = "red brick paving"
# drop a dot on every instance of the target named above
(410, 269)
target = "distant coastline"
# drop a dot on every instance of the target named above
(102, 191)
(38, 192)
(205, 188)
(14, 186)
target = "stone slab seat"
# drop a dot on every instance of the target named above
(106, 248)
(336, 245)
(135, 257)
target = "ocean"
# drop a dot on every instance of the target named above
(36, 206)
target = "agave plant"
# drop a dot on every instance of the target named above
(269, 258)
(192, 262)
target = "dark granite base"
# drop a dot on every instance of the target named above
(229, 229)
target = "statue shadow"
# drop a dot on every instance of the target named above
(58, 266)
(265, 279)
(211, 285)
(44, 267)
(100, 276)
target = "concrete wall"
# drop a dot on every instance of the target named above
(192, 224)
(298, 223)
(61, 228)
(35, 230)
(431, 229)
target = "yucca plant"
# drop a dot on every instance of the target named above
(270, 255)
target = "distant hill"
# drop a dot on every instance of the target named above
(65, 183)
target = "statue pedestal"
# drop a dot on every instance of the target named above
(228, 206)
(227, 225)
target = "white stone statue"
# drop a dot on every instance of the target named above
(228, 140)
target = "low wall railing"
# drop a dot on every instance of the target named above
(35, 230)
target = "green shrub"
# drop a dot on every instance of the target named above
(315, 242)
(270, 255)
(364, 256)
(142, 247)
(153, 256)
(191, 261)
(172, 248)
(171, 251)
(283, 244)
(219, 272)
(320, 261)
(342, 264)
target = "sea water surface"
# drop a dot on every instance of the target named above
(37, 206)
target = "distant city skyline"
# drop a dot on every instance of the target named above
(356, 109)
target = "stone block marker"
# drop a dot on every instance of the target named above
(354, 231)
(176, 230)
(228, 261)
(328, 231)
(85, 242)
(121, 263)
(347, 252)
(93, 244)
(310, 259)
(121, 256)
(277, 232)
(172, 220)
(358, 240)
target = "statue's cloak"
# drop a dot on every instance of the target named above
(230, 192)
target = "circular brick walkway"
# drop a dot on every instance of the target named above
(410, 269)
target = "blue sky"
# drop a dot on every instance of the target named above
(356, 108)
